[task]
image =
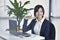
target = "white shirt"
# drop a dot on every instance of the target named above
(37, 26)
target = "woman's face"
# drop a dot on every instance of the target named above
(39, 13)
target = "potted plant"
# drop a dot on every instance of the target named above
(18, 10)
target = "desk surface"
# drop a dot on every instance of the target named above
(8, 36)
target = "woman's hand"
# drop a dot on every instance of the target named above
(28, 17)
(18, 29)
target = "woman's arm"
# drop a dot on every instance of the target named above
(25, 27)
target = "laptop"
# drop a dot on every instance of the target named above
(13, 29)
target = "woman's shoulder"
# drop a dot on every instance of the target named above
(47, 21)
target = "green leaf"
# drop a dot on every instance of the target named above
(20, 3)
(9, 7)
(25, 9)
(30, 9)
(15, 1)
(27, 2)
(9, 12)
(16, 4)
(11, 3)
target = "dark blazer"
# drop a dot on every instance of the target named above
(47, 29)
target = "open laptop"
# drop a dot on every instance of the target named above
(13, 29)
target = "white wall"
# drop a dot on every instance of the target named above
(56, 13)
(56, 8)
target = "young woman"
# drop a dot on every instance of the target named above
(39, 25)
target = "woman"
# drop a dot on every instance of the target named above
(40, 25)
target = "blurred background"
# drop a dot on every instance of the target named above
(52, 13)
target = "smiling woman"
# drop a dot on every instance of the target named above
(40, 25)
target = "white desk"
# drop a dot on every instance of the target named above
(9, 36)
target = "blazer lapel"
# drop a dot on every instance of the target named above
(42, 29)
